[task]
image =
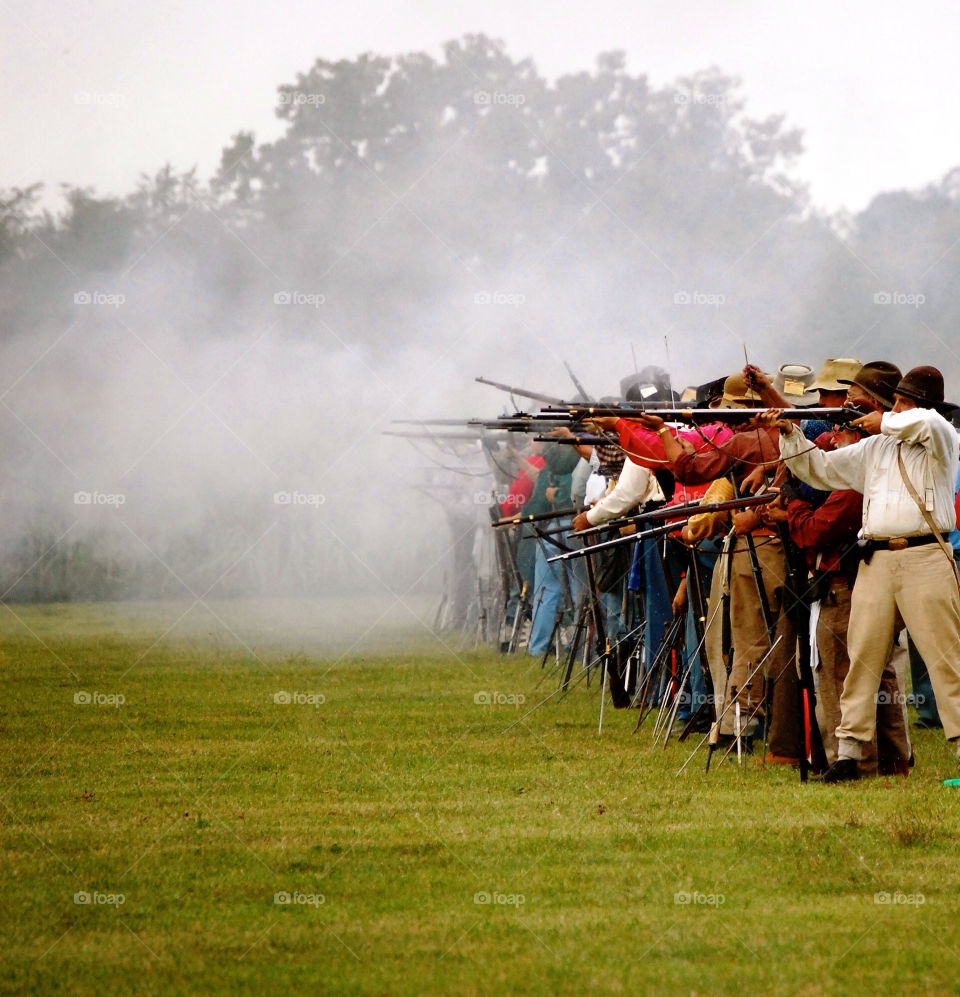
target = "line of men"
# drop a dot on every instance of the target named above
(871, 504)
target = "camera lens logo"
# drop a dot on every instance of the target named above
(298, 899)
(282, 698)
(97, 899)
(82, 698)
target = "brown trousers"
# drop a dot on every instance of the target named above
(919, 585)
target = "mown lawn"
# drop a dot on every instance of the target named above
(390, 805)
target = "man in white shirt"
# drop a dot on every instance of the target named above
(905, 570)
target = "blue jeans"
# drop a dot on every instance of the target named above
(548, 593)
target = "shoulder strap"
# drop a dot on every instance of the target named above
(944, 546)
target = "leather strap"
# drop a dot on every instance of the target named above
(944, 546)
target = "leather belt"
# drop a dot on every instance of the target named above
(900, 543)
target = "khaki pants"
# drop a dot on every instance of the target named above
(919, 582)
(892, 741)
(749, 633)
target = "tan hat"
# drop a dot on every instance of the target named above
(827, 379)
(793, 382)
(736, 394)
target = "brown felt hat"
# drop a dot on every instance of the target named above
(924, 385)
(832, 370)
(879, 379)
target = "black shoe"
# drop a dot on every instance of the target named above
(842, 770)
(924, 724)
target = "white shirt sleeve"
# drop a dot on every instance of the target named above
(636, 484)
(843, 468)
(926, 427)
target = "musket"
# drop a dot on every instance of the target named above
(583, 440)
(522, 392)
(409, 435)
(706, 416)
(657, 531)
(522, 422)
(576, 382)
(796, 605)
(535, 517)
(428, 422)
(684, 511)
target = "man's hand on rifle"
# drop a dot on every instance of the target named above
(649, 421)
(870, 422)
(601, 424)
(754, 482)
(745, 521)
(580, 521)
(771, 420)
(773, 513)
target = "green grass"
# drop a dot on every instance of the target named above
(398, 800)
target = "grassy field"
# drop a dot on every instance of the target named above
(198, 815)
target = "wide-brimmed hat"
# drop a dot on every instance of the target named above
(793, 382)
(879, 378)
(710, 395)
(736, 394)
(924, 385)
(652, 384)
(832, 370)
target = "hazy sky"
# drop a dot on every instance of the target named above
(96, 92)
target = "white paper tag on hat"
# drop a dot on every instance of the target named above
(794, 387)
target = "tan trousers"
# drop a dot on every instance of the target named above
(750, 640)
(920, 583)
(892, 741)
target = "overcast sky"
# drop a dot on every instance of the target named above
(96, 92)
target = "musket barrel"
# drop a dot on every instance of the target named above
(704, 416)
